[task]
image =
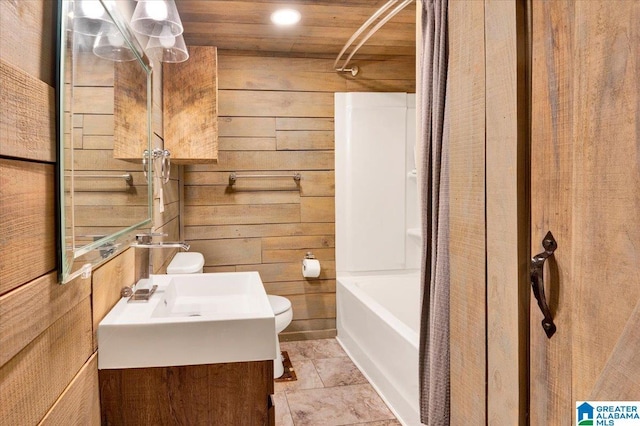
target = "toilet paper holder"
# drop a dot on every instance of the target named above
(310, 266)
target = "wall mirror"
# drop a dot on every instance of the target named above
(104, 118)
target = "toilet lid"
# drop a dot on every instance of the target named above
(279, 304)
(186, 263)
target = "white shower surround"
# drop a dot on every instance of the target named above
(378, 243)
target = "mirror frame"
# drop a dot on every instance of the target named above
(69, 258)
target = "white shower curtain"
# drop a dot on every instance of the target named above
(433, 176)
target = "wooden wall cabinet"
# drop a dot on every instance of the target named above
(190, 107)
(130, 110)
(215, 394)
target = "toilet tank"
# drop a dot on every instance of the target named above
(186, 263)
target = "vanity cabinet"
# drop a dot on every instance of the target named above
(215, 394)
(190, 107)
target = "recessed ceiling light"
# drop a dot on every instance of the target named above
(285, 17)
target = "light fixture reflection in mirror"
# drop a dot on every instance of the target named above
(113, 47)
(167, 49)
(90, 18)
(154, 18)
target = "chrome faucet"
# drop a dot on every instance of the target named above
(145, 241)
(184, 246)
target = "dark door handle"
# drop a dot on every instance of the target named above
(537, 282)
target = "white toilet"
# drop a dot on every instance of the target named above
(284, 314)
(193, 263)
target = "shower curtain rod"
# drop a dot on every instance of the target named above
(354, 69)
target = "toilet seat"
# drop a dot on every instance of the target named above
(279, 304)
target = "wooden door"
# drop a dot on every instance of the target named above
(585, 164)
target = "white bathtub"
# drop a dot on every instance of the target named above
(378, 321)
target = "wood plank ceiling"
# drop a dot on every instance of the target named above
(245, 26)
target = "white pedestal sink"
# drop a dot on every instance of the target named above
(190, 320)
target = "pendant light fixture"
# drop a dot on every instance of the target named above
(112, 46)
(155, 18)
(160, 21)
(167, 49)
(91, 18)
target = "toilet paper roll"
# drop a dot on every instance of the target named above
(310, 268)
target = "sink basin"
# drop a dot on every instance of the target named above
(190, 320)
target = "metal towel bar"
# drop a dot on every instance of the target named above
(126, 176)
(234, 176)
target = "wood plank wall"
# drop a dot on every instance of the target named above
(48, 350)
(277, 116)
(45, 328)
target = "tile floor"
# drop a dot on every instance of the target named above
(330, 389)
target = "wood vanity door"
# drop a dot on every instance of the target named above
(228, 394)
(585, 163)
